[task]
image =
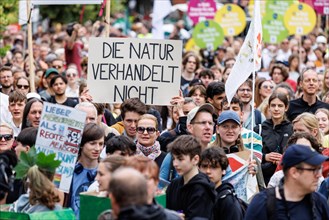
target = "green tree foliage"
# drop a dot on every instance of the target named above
(71, 13)
(8, 13)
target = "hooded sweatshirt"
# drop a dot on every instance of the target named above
(275, 138)
(194, 199)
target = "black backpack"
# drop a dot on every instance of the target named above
(243, 205)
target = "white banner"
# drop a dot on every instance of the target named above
(122, 68)
(23, 16)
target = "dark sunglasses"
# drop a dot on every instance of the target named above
(7, 137)
(232, 149)
(150, 130)
(23, 86)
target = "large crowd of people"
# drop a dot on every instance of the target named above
(132, 152)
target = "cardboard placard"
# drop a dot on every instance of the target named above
(122, 68)
(60, 131)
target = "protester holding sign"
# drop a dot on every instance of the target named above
(91, 145)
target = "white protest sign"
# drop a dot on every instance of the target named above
(60, 132)
(123, 68)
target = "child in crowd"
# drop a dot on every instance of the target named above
(192, 193)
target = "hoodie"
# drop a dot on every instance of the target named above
(194, 199)
(149, 212)
(275, 138)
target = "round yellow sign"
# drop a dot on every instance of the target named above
(299, 19)
(232, 19)
(191, 46)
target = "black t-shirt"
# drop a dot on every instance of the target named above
(298, 106)
(70, 101)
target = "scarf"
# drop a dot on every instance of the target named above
(151, 152)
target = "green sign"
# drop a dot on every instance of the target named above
(208, 34)
(274, 30)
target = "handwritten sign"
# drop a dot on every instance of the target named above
(232, 19)
(200, 10)
(60, 132)
(122, 68)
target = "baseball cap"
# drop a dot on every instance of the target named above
(203, 108)
(50, 71)
(228, 115)
(32, 95)
(298, 153)
(321, 39)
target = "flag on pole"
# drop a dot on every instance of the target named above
(244, 64)
(160, 10)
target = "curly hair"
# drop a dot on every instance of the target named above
(42, 190)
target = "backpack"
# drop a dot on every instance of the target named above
(243, 205)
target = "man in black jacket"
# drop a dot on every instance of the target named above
(192, 193)
(128, 193)
(214, 163)
(309, 101)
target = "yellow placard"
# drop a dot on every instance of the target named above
(262, 8)
(232, 19)
(191, 46)
(300, 19)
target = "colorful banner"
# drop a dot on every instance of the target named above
(232, 19)
(200, 10)
(208, 35)
(300, 19)
(60, 132)
(274, 31)
(238, 175)
(123, 68)
(321, 7)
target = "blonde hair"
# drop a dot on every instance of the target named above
(42, 190)
(151, 117)
(5, 125)
(310, 122)
(325, 111)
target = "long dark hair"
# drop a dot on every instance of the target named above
(25, 122)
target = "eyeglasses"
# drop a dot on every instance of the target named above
(267, 87)
(232, 149)
(23, 86)
(244, 90)
(150, 130)
(315, 171)
(5, 77)
(69, 75)
(204, 123)
(58, 66)
(7, 137)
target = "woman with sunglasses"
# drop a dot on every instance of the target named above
(22, 85)
(264, 88)
(6, 137)
(147, 134)
(72, 89)
(275, 132)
